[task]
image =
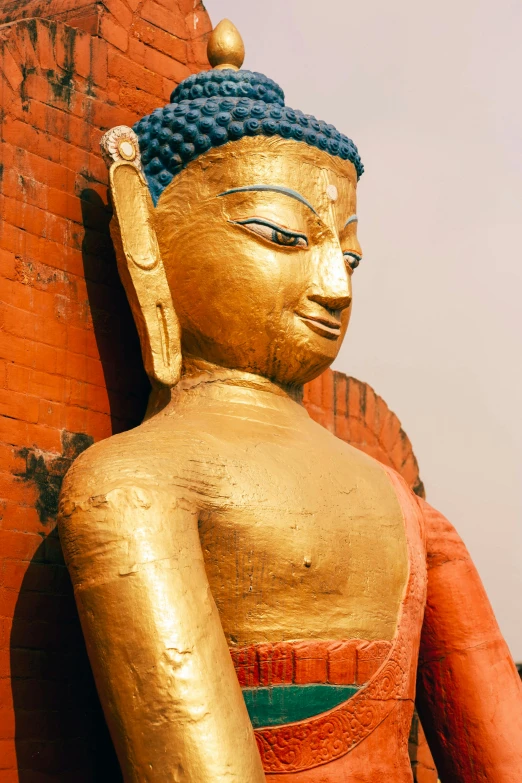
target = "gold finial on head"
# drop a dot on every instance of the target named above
(225, 47)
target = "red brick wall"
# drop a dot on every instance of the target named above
(70, 368)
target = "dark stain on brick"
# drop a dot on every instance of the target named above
(27, 70)
(32, 31)
(87, 175)
(362, 393)
(62, 84)
(419, 488)
(47, 471)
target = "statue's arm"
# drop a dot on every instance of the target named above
(469, 694)
(159, 656)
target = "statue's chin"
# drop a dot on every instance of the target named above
(305, 354)
(306, 372)
(291, 351)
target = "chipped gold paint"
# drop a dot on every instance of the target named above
(228, 517)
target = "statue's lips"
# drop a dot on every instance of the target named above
(323, 326)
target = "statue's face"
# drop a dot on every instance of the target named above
(259, 242)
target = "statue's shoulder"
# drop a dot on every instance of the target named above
(136, 457)
(123, 485)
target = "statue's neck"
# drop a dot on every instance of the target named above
(203, 380)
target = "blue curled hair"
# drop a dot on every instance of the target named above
(212, 108)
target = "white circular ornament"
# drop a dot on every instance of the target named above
(332, 192)
(121, 143)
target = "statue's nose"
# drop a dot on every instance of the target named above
(333, 303)
(332, 285)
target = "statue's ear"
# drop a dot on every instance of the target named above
(141, 268)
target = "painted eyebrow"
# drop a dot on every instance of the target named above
(352, 219)
(273, 189)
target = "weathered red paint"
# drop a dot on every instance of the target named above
(469, 692)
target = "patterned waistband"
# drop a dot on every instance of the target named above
(293, 681)
(351, 662)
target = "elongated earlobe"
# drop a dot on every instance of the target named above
(139, 261)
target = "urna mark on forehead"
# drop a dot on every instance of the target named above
(218, 108)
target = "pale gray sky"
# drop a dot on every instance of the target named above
(430, 93)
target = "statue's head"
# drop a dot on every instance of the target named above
(240, 240)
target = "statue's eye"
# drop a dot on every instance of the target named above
(352, 259)
(274, 233)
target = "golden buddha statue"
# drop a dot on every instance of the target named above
(258, 597)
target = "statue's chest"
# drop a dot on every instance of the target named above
(305, 541)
